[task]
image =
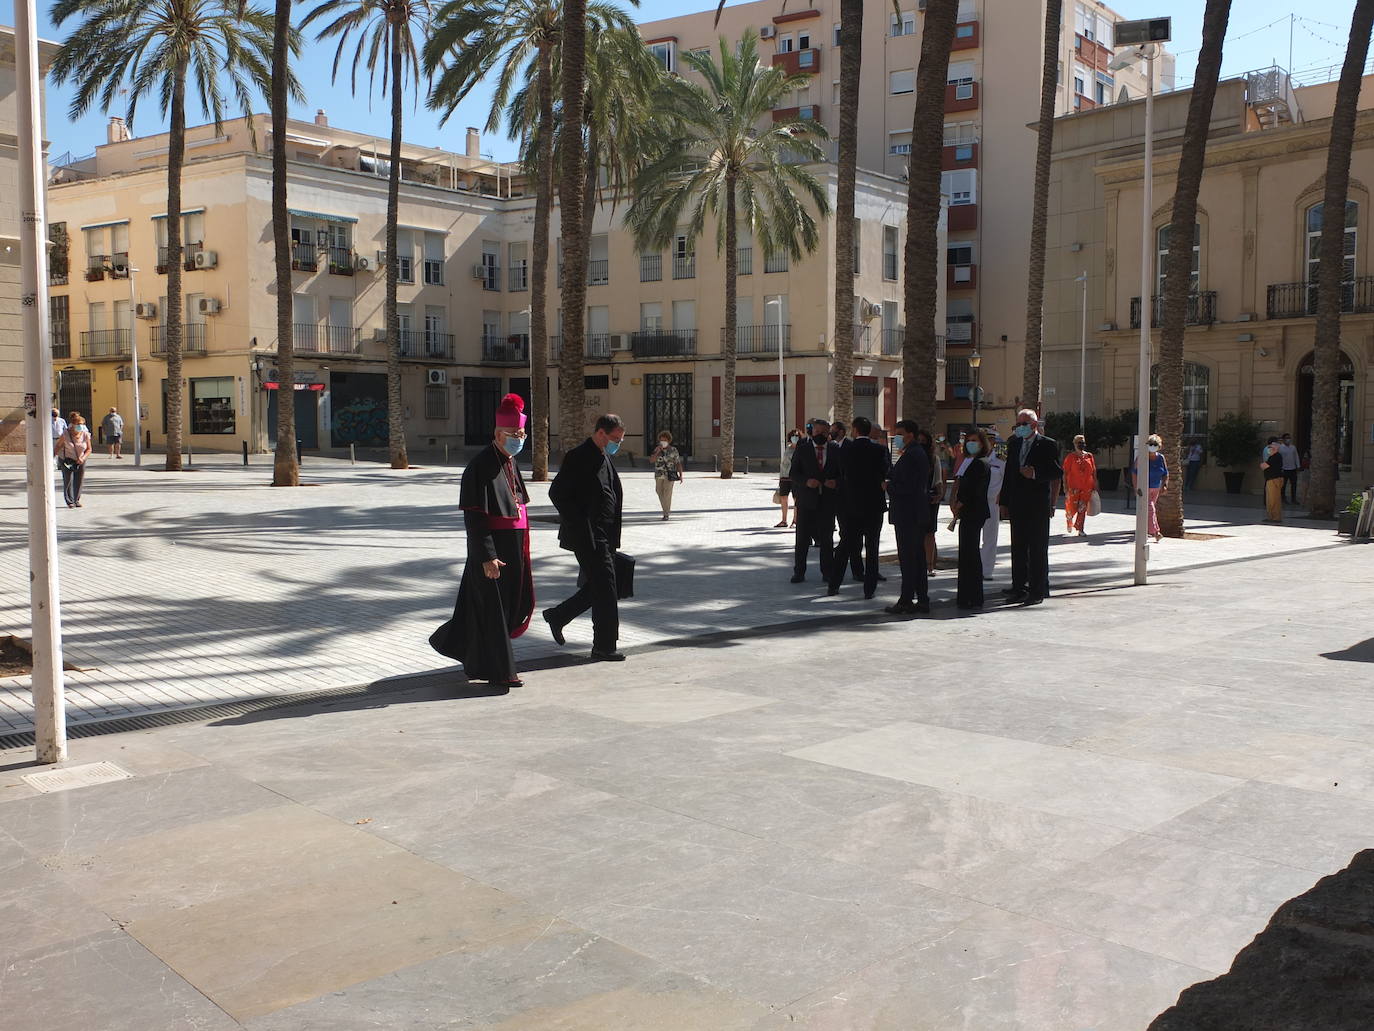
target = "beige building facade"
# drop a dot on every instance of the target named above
(1251, 327)
(654, 321)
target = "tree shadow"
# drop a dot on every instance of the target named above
(1362, 652)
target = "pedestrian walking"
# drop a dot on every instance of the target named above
(970, 506)
(1273, 481)
(112, 430)
(668, 471)
(1292, 463)
(815, 475)
(1080, 481)
(590, 503)
(71, 450)
(1194, 466)
(59, 424)
(862, 502)
(1027, 498)
(940, 469)
(1159, 480)
(496, 594)
(783, 495)
(908, 495)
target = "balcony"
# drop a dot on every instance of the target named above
(893, 337)
(119, 265)
(799, 62)
(744, 261)
(519, 277)
(958, 378)
(1202, 309)
(189, 262)
(959, 332)
(103, 345)
(95, 267)
(304, 257)
(663, 343)
(340, 261)
(56, 278)
(961, 277)
(428, 345)
(961, 96)
(192, 340)
(958, 155)
(60, 333)
(760, 339)
(684, 266)
(775, 262)
(650, 268)
(598, 271)
(505, 350)
(311, 338)
(489, 275)
(597, 346)
(966, 36)
(963, 217)
(1299, 300)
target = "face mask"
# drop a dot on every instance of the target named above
(795, 439)
(1154, 449)
(821, 438)
(1081, 446)
(514, 445)
(1023, 430)
(663, 444)
(972, 447)
(612, 447)
(898, 443)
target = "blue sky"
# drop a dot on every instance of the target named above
(1259, 35)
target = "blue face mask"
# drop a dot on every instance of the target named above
(972, 447)
(513, 445)
(612, 447)
(898, 443)
(1024, 430)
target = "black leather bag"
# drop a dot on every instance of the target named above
(624, 575)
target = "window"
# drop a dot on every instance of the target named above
(837, 33)
(434, 259)
(775, 262)
(834, 93)
(1162, 252)
(903, 81)
(963, 31)
(212, 405)
(1086, 22)
(701, 53)
(960, 73)
(1314, 240)
(959, 321)
(959, 253)
(1196, 382)
(960, 186)
(903, 24)
(804, 39)
(491, 265)
(405, 254)
(60, 325)
(890, 253)
(436, 402)
(786, 44)
(650, 316)
(963, 152)
(666, 54)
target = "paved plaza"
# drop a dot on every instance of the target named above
(785, 811)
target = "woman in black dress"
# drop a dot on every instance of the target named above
(971, 508)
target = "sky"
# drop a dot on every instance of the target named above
(1258, 36)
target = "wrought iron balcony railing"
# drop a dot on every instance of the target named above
(192, 340)
(663, 343)
(1202, 309)
(1298, 300)
(761, 339)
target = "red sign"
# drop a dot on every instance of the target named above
(273, 385)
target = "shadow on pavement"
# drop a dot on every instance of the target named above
(1362, 652)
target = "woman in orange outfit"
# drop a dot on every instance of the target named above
(1080, 480)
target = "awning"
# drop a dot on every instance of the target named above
(184, 213)
(320, 215)
(102, 225)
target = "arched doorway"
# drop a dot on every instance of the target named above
(1302, 431)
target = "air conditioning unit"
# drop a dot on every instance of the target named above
(479, 272)
(767, 32)
(436, 377)
(145, 310)
(379, 335)
(620, 342)
(126, 373)
(963, 91)
(361, 263)
(208, 306)
(381, 259)
(205, 259)
(869, 310)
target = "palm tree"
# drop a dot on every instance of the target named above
(571, 171)
(286, 471)
(386, 33)
(1178, 263)
(720, 163)
(922, 258)
(1035, 287)
(1321, 492)
(851, 56)
(156, 48)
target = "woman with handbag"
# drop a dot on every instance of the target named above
(668, 470)
(72, 449)
(1080, 483)
(783, 495)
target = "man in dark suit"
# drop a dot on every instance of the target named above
(590, 501)
(816, 473)
(908, 493)
(862, 504)
(1029, 489)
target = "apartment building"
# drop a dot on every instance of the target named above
(654, 321)
(991, 98)
(11, 321)
(1252, 301)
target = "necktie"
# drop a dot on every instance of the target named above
(820, 455)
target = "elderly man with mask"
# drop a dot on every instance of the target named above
(1030, 486)
(496, 595)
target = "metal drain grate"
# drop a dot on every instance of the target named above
(83, 776)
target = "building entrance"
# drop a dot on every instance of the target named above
(1302, 430)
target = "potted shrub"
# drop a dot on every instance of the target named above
(1347, 520)
(1234, 444)
(1062, 427)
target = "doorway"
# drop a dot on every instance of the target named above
(668, 406)
(1345, 427)
(481, 396)
(307, 418)
(74, 393)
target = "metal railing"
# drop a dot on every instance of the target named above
(684, 266)
(892, 339)
(760, 339)
(502, 349)
(597, 345)
(304, 257)
(105, 343)
(434, 272)
(1202, 309)
(491, 276)
(312, 338)
(650, 268)
(192, 339)
(1296, 300)
(520, 277)
(663, 343)
(60, 333)
(428, 344)
(744, 261)
(775, 263)
(341, 261)
(598, 271)
(95, 267)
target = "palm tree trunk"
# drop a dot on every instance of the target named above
(571, 384)
(174, 316)
(285, 469)
(921, 288)
(1321, 491)
(727, 383)
(1178, 263)
(851, 54)
(539, 273)
(395, 412)
(1035, 286)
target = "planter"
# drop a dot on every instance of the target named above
(1345, 522)
(1108, 480)
(1233, 481)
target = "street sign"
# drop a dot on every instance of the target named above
(1144, 30)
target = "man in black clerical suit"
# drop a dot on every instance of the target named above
(1030, 486)
(816, 473)
(862, 504)
(590, 501)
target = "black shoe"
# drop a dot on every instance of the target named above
(921, 608)
(882, 579)
(1017, 597)
(555, 628)
(832, 590)
(901, 608)
(868, 595)
(600, 656)
(1007, 592)
(1033, 601)
(798, 578)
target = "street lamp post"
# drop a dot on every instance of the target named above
(975, 362)
(776, 302)
(133, 355)
(1083, 357)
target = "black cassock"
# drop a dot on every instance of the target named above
(490, 613)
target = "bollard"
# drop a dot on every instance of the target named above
(746, 465)
(149, 441)
(245, 452)
(445, 454)
(298, 452)
(190, 453)
(352, 454)
(715, 462)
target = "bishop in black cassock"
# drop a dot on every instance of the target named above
(496, 595)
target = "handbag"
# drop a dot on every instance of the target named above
(624, 575)
(777, 497)
(1095, 504)
(674, 476)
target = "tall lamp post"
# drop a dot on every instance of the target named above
(776, 302)
(133, 355)
(1083, 356)
(975, 362)
(1143, 38)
